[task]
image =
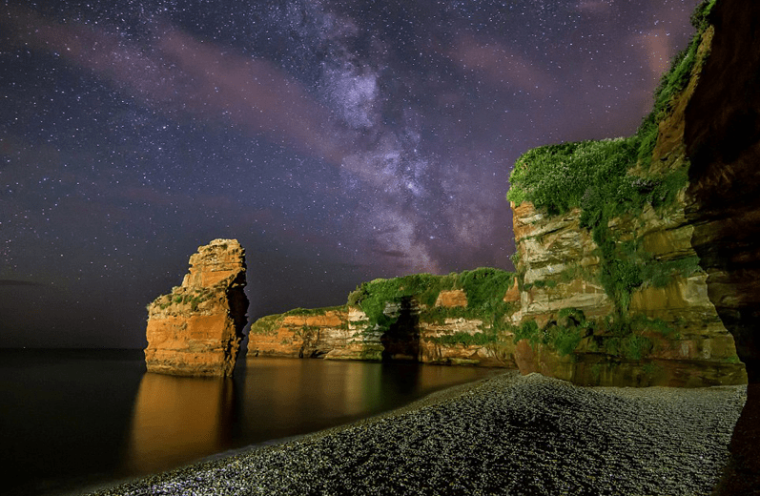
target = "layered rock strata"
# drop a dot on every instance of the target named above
(300, 334)
(197, 328)
(721, 137)
(560, 265)
(346, 333)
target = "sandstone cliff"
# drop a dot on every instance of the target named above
(456, 319)
(610, 241)
(300, 333)
(197, 328)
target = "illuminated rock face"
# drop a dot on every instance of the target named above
(301, 336)
(342, 333)
(711, 222)
(197, 328)
(560, 268)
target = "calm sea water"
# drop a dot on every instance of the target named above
(73, 419)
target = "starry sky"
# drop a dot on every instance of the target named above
(338, 141)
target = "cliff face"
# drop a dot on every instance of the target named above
(409, 319)
(722, 140)
(635, 273)
(300, 333)
(684, 342)
(197, 328)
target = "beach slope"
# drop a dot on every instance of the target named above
(510, 434)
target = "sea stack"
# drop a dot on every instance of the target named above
(197, 328)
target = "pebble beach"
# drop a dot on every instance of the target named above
(507, 435)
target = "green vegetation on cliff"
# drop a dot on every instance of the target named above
(590, 174)
(611, 179)
(179, 297)
(484, 287)
(599, 178)
(562, 337)
(623, 339)
(270, 323)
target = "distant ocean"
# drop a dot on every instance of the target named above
(72, 419)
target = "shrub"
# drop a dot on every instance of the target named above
(309, 312)
(565, 339)
(467, 339)
(528, 330)
(634, 346)
(556, 177)
(266, 325)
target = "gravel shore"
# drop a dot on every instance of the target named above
(510, 434)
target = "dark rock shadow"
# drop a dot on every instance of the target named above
(402, 340)
(722, 134)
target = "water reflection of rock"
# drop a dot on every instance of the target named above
(177, 419)
(306, 395)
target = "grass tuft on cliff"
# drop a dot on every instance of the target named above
(563, 336)
(314, 312)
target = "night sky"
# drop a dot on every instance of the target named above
(338, 141)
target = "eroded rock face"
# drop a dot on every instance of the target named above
(311, 335)
(559, 262)
(560, 267)
(197, 328)
(722, 140)
(344, 334)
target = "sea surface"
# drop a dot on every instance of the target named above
(74, 419)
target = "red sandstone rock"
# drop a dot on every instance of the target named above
(451, 299)
(513, 294)
(560, 269)
(197, 328)
(301, 336)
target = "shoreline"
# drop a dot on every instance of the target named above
(505, 434)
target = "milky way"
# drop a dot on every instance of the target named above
(338, 141)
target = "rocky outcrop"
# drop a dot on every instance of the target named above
(663, 328)
(343, 334)
(424, 335)
(300, 333)
(721, 137)
(429, 324)
(197, 328)
(559, 265)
